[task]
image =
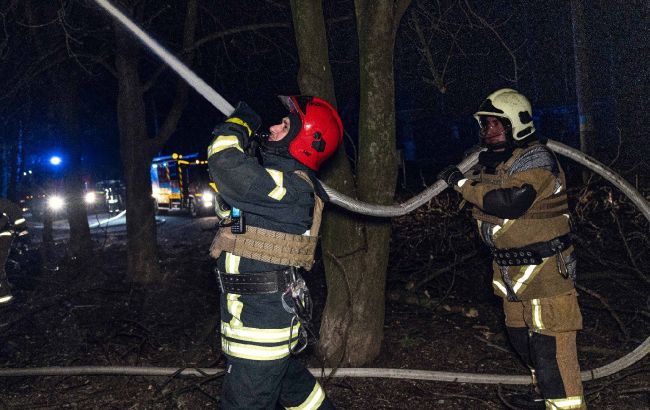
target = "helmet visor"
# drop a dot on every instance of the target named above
(296, 103)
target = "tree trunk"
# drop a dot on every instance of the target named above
(65, 81)
(142, 260)
(352, 324)
(137, 148)
(80, 245)
(584, 93)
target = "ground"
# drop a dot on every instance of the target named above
(73, 313)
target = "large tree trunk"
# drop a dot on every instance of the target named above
(137, 148)
(584, 93)
(352, 324)
(142, 263)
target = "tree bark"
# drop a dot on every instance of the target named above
(584, 92)
(352, 324)
(137, 148)
(80, 244)
(135, 151)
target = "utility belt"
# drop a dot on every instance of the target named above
(532, 254)
(255, 283)
(294, 295)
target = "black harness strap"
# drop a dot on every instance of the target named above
(254, 283)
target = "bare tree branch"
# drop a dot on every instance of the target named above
(490, 27)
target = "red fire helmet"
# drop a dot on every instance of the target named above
(321, 129)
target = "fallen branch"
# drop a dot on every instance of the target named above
(609, 309)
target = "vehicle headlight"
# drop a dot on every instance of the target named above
(208, 196)
(55, 203)
(90, 198)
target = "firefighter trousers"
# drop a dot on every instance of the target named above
(543, 332)
(262, 384)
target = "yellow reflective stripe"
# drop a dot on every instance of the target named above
(255, 352)
(574, 402)
(5, 233)
(499, 230)
(223, 213)
(500, 286)
(241, 122)
(538, 324)
(232, 263)
(223, 142)
(279, 191)
(6, 298)
(529, 272)
(314, 400)
(19, 221)
(234, 306)
(253, 334)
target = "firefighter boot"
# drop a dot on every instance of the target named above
(531, 399)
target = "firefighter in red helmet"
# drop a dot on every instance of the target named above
(270, 239)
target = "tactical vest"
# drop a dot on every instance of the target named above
(528, 279)
(549, 207)
(269, 246)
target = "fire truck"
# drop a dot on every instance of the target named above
(181, 183)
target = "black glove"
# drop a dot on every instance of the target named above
(451, 175)
(248, 116)
(243, 123)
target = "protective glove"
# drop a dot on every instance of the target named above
(243, 123)
(451, 175)
(244, 113)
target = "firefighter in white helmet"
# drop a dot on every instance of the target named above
(518, 193)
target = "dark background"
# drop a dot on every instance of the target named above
(433, 127)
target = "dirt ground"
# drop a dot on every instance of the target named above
(86, 313)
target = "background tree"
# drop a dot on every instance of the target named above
(137, 147)
(67, 108)
(584, 93)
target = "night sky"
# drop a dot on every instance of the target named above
(257, 65)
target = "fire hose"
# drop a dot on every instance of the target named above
(367, 209)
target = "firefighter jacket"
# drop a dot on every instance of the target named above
(11, 219)
(519, 202)
(271, 196)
